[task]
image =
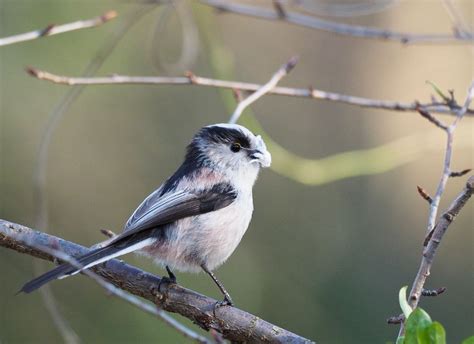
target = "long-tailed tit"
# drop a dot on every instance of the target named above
(196, 219)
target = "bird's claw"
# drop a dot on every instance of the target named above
(226, 302)
(165, 281)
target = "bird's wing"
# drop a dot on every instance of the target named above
(151, 214)
(160, 210)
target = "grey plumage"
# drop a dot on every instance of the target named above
(198, 216)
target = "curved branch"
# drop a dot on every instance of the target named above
(233, 323)
(279, 13)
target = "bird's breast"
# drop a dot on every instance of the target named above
(220, 231)
(204, 239)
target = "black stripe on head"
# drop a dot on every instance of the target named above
(217, 134)
(195, 159)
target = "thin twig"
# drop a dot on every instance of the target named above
(457, 18)
(433, 292)
(57, 29)
(435, 232)
(460, 173)
(192, 79)
(447, 160)
(335, 27)
(336, 9)
(395, 320)
(424, 194)
(280, 73)
(112, 290)
(233, 323)
(432, 119)
(437, 235)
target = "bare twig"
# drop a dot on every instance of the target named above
(280, 73)
(460, 173)
(437, 235)
(192, 79)
(335, 27)
(460, 25)
(424, 194)
(432, 119)
(435, 232)
(233, 323)
(395, 320)
(447, 160)
(113, 290)
(336, 9)
(433, 292)
(56, 29)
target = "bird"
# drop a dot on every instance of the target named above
(195, 220)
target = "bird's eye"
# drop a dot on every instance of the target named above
(235, 147)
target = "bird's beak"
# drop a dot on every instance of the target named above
(261, 154)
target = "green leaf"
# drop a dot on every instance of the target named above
(418, 320)
(432, 334)
(469, 340)
(400, 340)
(402, 299)
(437, 90)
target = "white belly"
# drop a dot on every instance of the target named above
(205, 239)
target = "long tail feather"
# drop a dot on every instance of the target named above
(89, 260)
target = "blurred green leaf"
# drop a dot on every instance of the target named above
(438, 91)
(469, 340)
(417, 321)
(402, 299)
(432, 334)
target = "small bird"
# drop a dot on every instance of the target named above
(197, 217)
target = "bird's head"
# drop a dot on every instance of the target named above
(229, 147)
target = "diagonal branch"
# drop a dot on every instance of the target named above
(280, 73)
(437, 235)
(447, 160)
(233, 323)
(335, 27)
(57, 29)
(191, 79)
(437, 229)
(135, 301)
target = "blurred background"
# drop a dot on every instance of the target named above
(328, 248)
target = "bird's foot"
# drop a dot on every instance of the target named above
(226, 302)
(171, 279)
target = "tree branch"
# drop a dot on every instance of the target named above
(437, 235)
(337, 28)
(447, 160)
(192, 79)
(279, 74)
(135, 301)
(436, 230)
(56, 29)
(233, 323)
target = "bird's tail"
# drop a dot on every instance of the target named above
(97, 256)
